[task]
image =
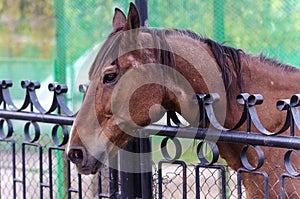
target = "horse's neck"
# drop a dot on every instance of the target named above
(273, 83)
(264, 78)
(195, 63)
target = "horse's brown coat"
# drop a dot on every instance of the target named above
(101, 136)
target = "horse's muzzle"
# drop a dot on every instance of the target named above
(85, 163)
(76, 155)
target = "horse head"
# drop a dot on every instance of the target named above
(136, 77)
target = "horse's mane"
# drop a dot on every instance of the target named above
(274, 62)
(227, 58)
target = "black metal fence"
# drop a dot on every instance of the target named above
(33, 164)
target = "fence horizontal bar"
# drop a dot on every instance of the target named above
(38, 117)
(289, 142)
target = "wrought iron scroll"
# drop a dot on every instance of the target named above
(31, 108)
(31, 100)
(249, 114)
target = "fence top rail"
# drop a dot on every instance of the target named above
(37, 117)
(214, 135)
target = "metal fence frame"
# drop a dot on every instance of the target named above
(138, 185)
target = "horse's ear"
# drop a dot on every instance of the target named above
(119, 19)
(133, 18)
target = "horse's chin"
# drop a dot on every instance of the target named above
(91, 168)
(91, 165)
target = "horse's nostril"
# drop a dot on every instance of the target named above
(75, 155)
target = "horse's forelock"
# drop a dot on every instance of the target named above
(107, 54)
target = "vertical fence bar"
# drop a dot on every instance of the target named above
(99, 186)
(142, 6)
(69, 178)
(23, 171)
(14, 169)
(50, 173)
(131, 183)
(41, 172)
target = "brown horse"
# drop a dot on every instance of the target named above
(141, 73)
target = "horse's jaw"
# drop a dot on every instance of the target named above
(91, 166)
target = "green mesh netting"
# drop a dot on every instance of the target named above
(64, 30)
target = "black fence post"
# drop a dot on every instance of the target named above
(146, 166)
(142, 6)
(144, 142)
(136, 169)
(137, 184)
(130, 181)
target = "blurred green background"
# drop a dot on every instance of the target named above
(54, 40)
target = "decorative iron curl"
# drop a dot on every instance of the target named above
(60, 140)
(202, 156)
(31, 100)
(249, 114)
(36, 135)
(10, 129)
(288, 164)
(294, 104)
(32, 111)
(164, 150)
(260, 158)
(59, 99)
(172, 117)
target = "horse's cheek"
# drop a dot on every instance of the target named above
(102, 105)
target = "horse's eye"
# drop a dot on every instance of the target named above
(109, 78)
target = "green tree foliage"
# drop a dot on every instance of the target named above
(88, 22)
(255, 26)
(27, 26)
(269, 26)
